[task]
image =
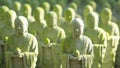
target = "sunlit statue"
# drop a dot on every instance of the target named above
(21, 48)
(17, 7)
(112, 31)
(87, 9)
(3, 10)
(51, 50)
(37, 28)
(26, 11)
(46, 7)
(58, 10)
(77, 47)
(69, 15)
(93, 4)
(98, 37)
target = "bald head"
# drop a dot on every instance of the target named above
(78, 27)
(21, 25)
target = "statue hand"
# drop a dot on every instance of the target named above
(18, 55)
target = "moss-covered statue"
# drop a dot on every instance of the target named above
(21, 48)
(87, 9)
(113, 37)
(52, 31)
(98, 37)
(58, 10)
(93, 4)
(69, 15)
(77, 47)
(74, 6)
(51, 50)
(17, 7)
(37, 27)
(26, 11)
(46, 7)
(9, 24)
(3, 10)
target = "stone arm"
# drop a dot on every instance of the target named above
(61, 36)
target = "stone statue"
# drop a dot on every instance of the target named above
(37, 28)
(93, 4)
(3, 10)
(58, 10)
(17, 7)
(21, 48)
(69, 15)
(98, 37)
(77, 47)
(46, 7)
(53, 36)
(26, 11)
(112, 31)
(52, 31)
(86, 10)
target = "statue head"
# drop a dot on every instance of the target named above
(17, 6)
(21, 25)
(10, 15)
(78, 27)
(69, 14)
(51, 19)
(92, 20)
(17, 51)
(46, 6)
(87, 9)
(93, 4)
(106, 15)
(26, 10)
(74, 6)
(58, 9)
(38, 14)
(3, 10)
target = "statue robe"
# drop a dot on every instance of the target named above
(29, 48)
(99, 39)
(84, 46)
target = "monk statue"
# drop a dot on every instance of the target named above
(98, 37)
(37, 28)
(86, 10)
(77, 47)
(53, 35)
(112, 31)
(26, 11)
(69, 15)
(58, 10)
(46, 7)
(22, 47)
(17, 7)
(3, 10)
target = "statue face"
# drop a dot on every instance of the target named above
(26, 10)
(51, 19)
(106, 15)
(69, 15)
(21, 25)
(92, 20)
(38, 13)
(78, 27)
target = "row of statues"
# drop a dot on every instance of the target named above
(42, 38)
